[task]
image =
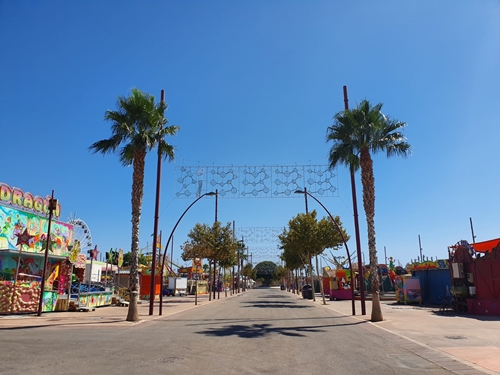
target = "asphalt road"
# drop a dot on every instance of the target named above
(263, 331)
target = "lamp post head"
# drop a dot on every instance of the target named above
(210, 194)
(299, 192)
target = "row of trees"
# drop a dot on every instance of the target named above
(139, 125)
(217, 244)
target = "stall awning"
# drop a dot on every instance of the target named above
(486, 246)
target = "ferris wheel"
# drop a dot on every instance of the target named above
(81, 233)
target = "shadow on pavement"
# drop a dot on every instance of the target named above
(261, 330)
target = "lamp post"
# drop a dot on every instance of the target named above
(168, 242)
(305, 192)
(356, 225)
(215, 260)
(52, 207)
(157, 216)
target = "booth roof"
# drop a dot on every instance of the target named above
(486, 246)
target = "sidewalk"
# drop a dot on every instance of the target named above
(114, 315)
(469, 339)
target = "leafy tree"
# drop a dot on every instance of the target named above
(137, 126)
(141, 259)
(214, 243)
(265, 271)
(198, 245)
(356, 135)
(307, 237)
(279, 274)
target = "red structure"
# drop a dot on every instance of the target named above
(475, 275)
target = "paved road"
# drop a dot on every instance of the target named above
(262, 331)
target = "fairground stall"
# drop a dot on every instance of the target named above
(91, 287)
(23, 241)
(434, 279)
(474, 270)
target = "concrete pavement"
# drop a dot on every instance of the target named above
(464, 344)
(471, 340)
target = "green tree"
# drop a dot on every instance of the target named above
(307, 237)
(279, 274)
(356, 135)
(141, 260)
(265, 271)
(137, 126)
(214, 243)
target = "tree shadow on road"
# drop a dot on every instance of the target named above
(261, 330)
(278, 305)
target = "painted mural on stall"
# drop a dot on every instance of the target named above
(14, 222)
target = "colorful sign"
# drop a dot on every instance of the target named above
(429, 265)
(13, 196)
(14, 222)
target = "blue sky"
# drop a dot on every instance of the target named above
(257, 83)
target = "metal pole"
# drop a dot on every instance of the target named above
(356, 226)
(472, 230)
(239, 269)
(308, 255)
(233, 285)
(52, 203)
(172, 255)
(215, 260)
(157, 216)
(343, 240)
(168, 242)
(420, 247)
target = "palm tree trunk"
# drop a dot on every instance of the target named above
(368, 182)
(137, 195)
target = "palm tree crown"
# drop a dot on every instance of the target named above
(364, 128)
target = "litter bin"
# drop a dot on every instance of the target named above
(282, 287)
(307, 292)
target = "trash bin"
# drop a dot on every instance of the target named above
(307, 292)
(282, 287)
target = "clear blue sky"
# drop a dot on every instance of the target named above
(257, 83)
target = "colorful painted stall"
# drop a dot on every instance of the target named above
(339, 284)
(408, 289)
(23, 239)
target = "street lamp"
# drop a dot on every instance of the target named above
(157, 218)
(52, 207)
(356, 224)
(305, 192)
(210, 194)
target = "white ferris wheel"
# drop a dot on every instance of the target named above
(81, 233)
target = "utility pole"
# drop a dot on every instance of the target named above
(157, 215)
(472, 230)
(356, 226)
(420, 246)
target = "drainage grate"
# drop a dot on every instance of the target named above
(455, 337)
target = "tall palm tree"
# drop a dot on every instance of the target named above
(137, 126)
(357, 134)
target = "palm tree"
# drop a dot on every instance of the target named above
(137, 126)
(357, 134)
